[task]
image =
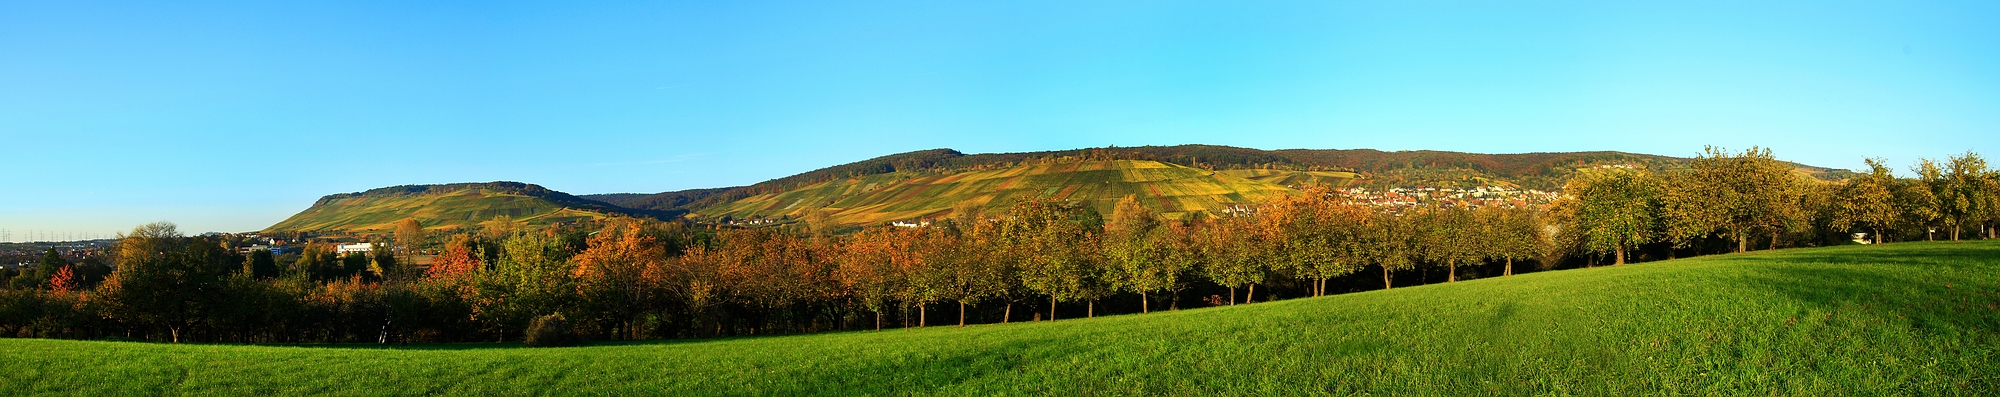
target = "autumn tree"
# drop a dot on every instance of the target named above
(410, 237)
(864, 268)
(615, 273)
(1616, 210)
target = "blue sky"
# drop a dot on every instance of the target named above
(232, 116)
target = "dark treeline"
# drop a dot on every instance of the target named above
(630, 278)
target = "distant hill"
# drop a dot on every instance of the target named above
(1173, 189)
(667, 201)
(446, 206)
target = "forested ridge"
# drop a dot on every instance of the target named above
(634, 278)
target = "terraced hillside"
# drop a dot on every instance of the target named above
(1898, 319)
(443, 206)
(1173, 189)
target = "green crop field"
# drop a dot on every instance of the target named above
(1174, 190)
(1902, 319)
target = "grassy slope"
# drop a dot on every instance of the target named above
(1171, 188)
(462, 207)
(1914, 318)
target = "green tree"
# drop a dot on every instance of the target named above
(1388, 242)
(531, 278)
(45, 269)
(1054, 245)
(1963, 191)
(1867, 201)
(1616, 210)
(1511, 233)
(1734, 194)
(1235, 254)
(1315, 235)
(1446, 236)
(261, 265)
(171, 282)
(1137, 249)
(1918, 199)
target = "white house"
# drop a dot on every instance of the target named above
(362, 247)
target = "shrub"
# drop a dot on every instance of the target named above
(550, 331)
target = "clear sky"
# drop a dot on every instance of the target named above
(232, 116)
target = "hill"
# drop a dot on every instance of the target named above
(1176, 180)
(1535, 170)
(445, 206)
(1901, 319)
(1173, 189)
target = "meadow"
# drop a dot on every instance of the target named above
(1900, 319)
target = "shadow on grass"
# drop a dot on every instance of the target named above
(1956, 288)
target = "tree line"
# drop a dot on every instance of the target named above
(629, 278)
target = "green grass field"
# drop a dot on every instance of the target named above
(1902, 319)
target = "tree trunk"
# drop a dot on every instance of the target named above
(878, 320)
(1510, 267)
(1232, 295)
(961, 314)
(1774, 239)
(1954, 232)
(1621, 255)
(1052, 308)
(1251, 297)
(1090, 310)
(1385, 278)
(1452, 267)
(1878, 236)
(923, 316)
(1009, 314)
(1145, 306)
(174, 332)
(1742, 244)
